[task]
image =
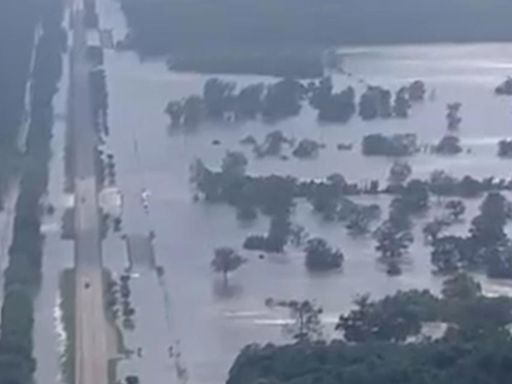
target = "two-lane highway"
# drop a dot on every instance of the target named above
(91, 356)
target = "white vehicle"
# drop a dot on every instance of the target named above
(144, 196)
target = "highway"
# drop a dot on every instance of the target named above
(91, 356)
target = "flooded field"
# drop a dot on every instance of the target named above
(188, 307)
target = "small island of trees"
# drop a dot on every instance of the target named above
(221, 102)
(504, 88)
(395, 145)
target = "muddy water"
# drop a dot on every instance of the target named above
(213, 323)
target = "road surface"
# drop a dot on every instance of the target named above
(91, 357)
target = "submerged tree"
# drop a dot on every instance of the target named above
(218, 96)
(452, 116)
(226, 260)
(305, 319)
(402, 104)
(234, 164)
(392, 244)
(298, 235)
(488, 228)
(447, 254)
(505, 148)
(321, 257)
(392, 319)
(417, 91)
(175, 110)
(249, 102)
(399, 172)
(456, 209)
(338, 107)
(441, 183)
(461, 287)
(193, 111)
(433, 229)
(504, 88)
(448, 145)
(283, 99)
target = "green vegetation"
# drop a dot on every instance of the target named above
(222, 102)
(226, 260)
(454, 210)
(382, 343)
(442, 184)
(453, 119)
(396, 145)
(377, 102)
(321, 257)
(448, 145)
(332, 107)
(307, 148)
(275, 196)
(305, 322)
(18, 19)
(505, 148)
(400, 171)
(504, 88)
(67, 306)
(487, 246)
(393, 236)
(97, 80)
(22, 275)
(252, 35)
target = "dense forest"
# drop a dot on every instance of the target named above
(17, 27)
(22, 274)
(288, 37)
(162, 26)
(384, 342)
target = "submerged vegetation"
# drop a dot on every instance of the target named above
(487, 248)
(221, 102)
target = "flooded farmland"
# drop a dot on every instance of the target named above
(188, 307)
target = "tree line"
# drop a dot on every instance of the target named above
(385, 341)
(229, 28)
(17, 29)
(486, 248)
(222, 102)
(23, 272)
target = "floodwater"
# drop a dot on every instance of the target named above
(189, 304)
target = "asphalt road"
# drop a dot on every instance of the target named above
(91, 356)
